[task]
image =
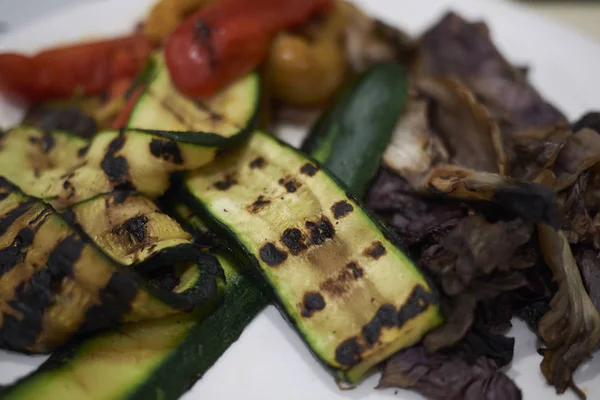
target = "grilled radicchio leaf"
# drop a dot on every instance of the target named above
(447, 376)
(571, 329)
(464, 125)
(530, 201)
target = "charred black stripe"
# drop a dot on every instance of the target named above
(293, 239)
(168, 150)
(227, 182)
(320, 230)
(387, 316)
(290, 184)
(134, 227)
(348, 353)
(258, 162)
(341, 209)
(271, 255)
(6, 185)
(16, 252)
(260, 203)
(376, 250)
(312, 303)
(16, 213)
(115, 302)
(357, 271)
(418, 301)
(32, 298)
(309, 169)
(83, 151)
(4, 195)
(115, 167)
(120, 196)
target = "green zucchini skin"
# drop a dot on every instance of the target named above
(359, 126)
(178, 362)
(349, 360)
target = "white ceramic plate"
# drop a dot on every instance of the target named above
(270, 361)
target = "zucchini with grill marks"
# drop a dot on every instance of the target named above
(64, 170)
(224, 120)
(156, 359)
(54, 283)
(336, 273)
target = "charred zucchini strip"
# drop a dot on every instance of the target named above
(55, 283)
(156, 359)
(337, 274)
(224, 120)
(64, 170)
(132, 230)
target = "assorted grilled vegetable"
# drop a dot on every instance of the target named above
(490, 189)
(338, 275)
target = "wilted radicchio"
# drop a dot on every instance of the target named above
(448, 376)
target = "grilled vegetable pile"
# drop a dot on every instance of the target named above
(145, 218)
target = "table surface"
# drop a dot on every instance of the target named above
(582, 16)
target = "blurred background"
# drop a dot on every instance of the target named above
(580, 15)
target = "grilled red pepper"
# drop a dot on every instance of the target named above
(86, 68)
(228, 39)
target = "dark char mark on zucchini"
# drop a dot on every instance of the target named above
(164, 278)
(290, 184)
(10, 218)
(115, 167)
(317, 233)
(387, 316)
(341, 283)
(320, 230)
(341, 209)
(348, 353)
(375, 251)
(46, 142)
(134, 227)
(168, 150)
(271, 255)
(16, 252)
(32, 298)
(309, 169)
(293, 239)
(258, 162)
(312, 303)
(115, 302)
(357, 271)
(83, 151)
(227, 182)
(259, 204)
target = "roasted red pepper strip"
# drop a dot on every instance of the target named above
(88, 68)
(228, 39)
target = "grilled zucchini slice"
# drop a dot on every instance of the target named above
(337, 274)
(55, 283)
(224, 120)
